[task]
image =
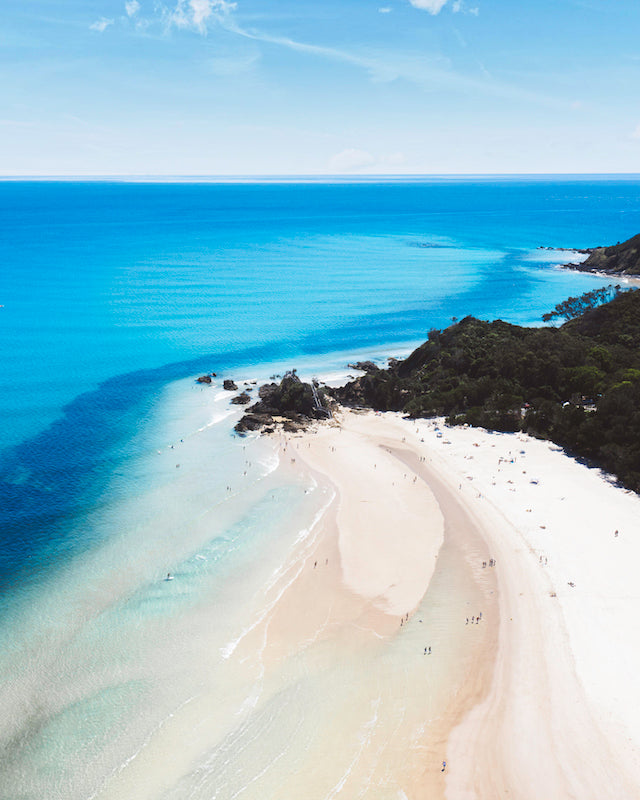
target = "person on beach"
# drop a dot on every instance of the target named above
(444, 766)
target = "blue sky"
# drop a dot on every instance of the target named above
(212, 87)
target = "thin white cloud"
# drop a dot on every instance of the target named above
(459, 7)
(432, 6)
(431, 74)
(201, 11)
(351, 160)
(384, 10)
(197, 13)
(132, 7)
(101, 25)
(636, 133)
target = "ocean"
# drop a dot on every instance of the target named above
(117, 467)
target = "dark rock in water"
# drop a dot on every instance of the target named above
(253, 422)
(229, 385)
(584, 250)
(241, 399)
(364, 366)
(204, 379)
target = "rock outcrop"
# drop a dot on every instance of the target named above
(291, 404)
(619, 259)
(242, 399)
(364, 366)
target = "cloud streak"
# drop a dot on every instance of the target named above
(385, 67)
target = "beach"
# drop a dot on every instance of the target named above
(375, 607)
(537, 698)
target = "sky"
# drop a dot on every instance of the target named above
(318, 87)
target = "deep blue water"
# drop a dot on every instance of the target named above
(113, 290)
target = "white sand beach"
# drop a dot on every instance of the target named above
(443, 613)
(545, 704)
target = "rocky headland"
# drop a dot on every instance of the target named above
(620, 259)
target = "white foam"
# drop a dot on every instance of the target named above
(364, 737)
(278, 574)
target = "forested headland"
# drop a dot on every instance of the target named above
(577, 385)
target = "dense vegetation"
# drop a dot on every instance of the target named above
(577, 385)
(574, 307)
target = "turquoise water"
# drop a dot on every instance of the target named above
(115, 465)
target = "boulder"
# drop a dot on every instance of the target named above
(242, 399)
(204, 379)
(364, 366)
(229, 385)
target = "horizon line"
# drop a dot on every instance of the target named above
(306, 177)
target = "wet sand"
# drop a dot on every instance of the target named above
(395, 570)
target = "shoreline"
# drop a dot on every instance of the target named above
(536, 710)
(631, 280)
(562, 655)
